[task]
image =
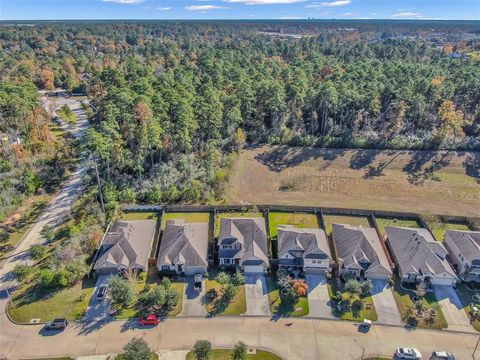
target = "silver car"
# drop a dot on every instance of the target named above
(408, 353)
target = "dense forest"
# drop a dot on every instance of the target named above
(175, 100)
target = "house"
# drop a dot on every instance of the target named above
(306, 250)
(464, 250)
(126, 246)
(243, 244)
(419, 257)
(184, 248)
(360, 253)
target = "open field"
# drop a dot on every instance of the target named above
(419, 181)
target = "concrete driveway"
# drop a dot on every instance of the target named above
(318, 299)
(452, 308)
(385, 304)
(193, 302)
(97, 310)
(256, 295)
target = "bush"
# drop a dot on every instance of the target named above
(136, 349)
(202, 349)
(240, 351)
(45, 278)
(23, 272)
(37, 252)
(120, 291)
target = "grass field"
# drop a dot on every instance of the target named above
(363, 179)
(31, 303)
(237, 307)
(140, 215)
(345, 219)
(189, 217)
(300, 220)
(226, 354)
(234, 215)
(367, 311)
(383, 222)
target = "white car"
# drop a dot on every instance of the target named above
(408, 353)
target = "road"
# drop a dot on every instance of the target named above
(56, 210)
(305, 339)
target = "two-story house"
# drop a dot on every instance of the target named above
(305, 250)
(464, 250)
(242, 243)
(360, 253)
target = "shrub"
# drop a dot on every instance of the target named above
(202, 349)
(238, 279)
(23, 272)
(136, 349)
(353, 286)
(37, 252)
(45, 278)
(240, 351)
(120, 291)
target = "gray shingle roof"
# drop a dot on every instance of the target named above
(250, 233)
(186, 243)
(308, 240)
(416, 251)
(361, 247)
(127, 243)
(467, 242)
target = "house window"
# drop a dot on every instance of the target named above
(165, 267)
(225, 261)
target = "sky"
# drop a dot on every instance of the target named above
(239, 9)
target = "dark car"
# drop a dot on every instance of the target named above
(56, 324)
(101, 292)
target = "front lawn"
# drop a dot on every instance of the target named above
(351, 312)
(30, 302)
(406, 308)
(383, 222)
(225, 354)
(352, 220)
(239, 214)
(465, 296)
(285, 309)
(218, 307)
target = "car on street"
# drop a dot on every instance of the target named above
(101, 292)
(197, 282)
(56, 324)
(442, 355)
(149, 320)
(408, 354)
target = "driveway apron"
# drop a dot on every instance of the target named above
(318, 299)
(385, 304)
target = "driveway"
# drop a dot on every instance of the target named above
(318, 299)
(257, 295)
(97, 310)
(385, 304)
(193, 302)
(452, 308)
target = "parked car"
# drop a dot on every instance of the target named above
(149, 320)
(408, 353)
(366, 323)
(56, 324)
(101, 292)
(442, 355)
(197, 282)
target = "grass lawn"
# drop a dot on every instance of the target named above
(31, 303)
(465, 296)
(67, 116)
(405, 303)
(234, 215)
(141, 215)
(345, 219)
(300, 308)
(438, 227)
(225, 354)
(383, 222)
(189, 217)
(17, 228)
(300, 220)
(237, 307)
(367, 311)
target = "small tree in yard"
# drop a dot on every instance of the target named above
(240, 351)
(120, 290)
(37, 252)
(352, 286)
(223, 278)
(366, 287)
(155, 298)
(421, 289)
(229, 292)
(202, 349)
(238, 279)
(171, 299)
(136, 349)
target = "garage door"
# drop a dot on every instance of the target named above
(192, 270)
(253, 269)
(441, 281)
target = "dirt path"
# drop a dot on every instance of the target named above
(420, 181)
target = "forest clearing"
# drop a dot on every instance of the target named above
(417, 181)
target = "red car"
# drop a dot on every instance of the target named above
(149, 320)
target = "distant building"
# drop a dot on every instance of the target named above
(464, 251)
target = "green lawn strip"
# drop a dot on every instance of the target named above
(465, 296)
(405, 303)
(236, 307)
(140, 215)
(234, 215)
(18, 228)
(300, 308)
(383, 222)
(69, 118)
(299, 220)
(345, 219)
(225, 354)
(30, 302)
(439, 228)
(189, 217)
(367, 311)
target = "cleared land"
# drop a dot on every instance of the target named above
(420, 181)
